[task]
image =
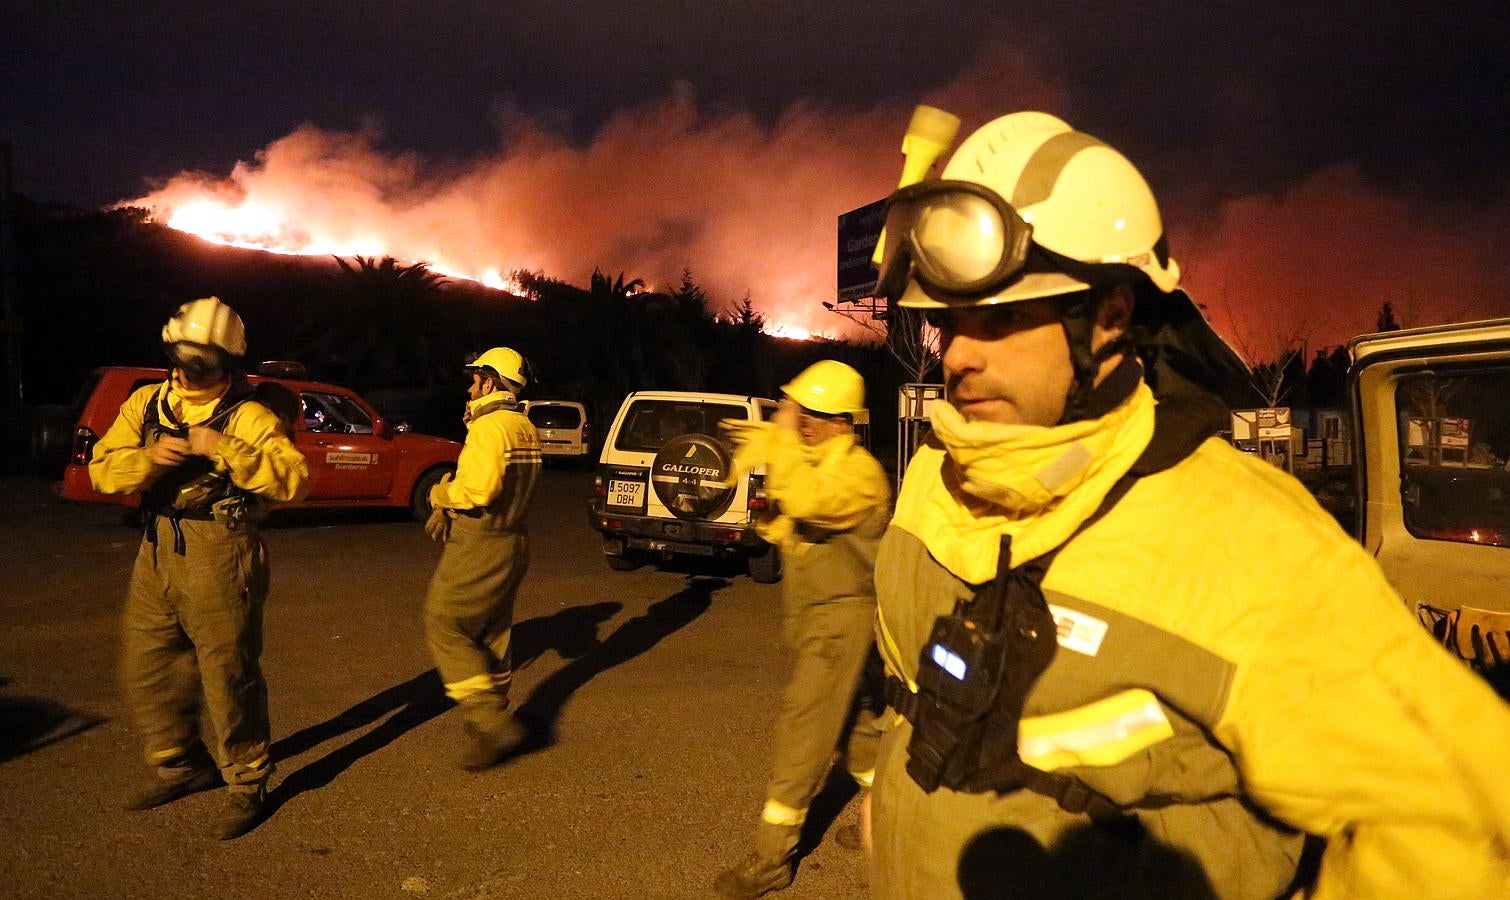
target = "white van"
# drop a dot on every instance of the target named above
(660, 489)
(563, 428)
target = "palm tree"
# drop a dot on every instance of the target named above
(388, 324)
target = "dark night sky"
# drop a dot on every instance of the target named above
(1294, 104)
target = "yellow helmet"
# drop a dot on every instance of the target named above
(828, 386)
(1027, 207)
(504, 362)
(208, 323)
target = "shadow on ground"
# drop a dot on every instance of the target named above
(31, 723)
(572, 633)
(542, 709)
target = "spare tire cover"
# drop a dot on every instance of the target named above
(689, 475)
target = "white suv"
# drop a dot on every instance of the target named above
(660, 490)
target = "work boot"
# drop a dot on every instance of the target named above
(849, 837)
(487, 748)
(242, 812)
(170, 782)
(753, 877)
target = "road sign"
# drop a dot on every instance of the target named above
(859, 229)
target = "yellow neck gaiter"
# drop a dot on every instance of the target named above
(1034, 483)
(483, 405)
(189, 405)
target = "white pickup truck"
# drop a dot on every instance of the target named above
(1431, 414)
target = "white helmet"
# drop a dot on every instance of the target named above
(1027, 207)
(208, 323)
(504, 362)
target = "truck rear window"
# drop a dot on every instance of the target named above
(650, 423)
(554, 416)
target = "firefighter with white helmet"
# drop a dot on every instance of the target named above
(207, 458)
(1125, 659)
(829, 499)
(479, 516)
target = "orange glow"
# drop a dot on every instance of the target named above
(750, 208)
(792, 332)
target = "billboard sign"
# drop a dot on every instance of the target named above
(859, 229)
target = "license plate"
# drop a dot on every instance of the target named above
(626, 493)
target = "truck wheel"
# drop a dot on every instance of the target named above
(51, 439)
(765, 568)
(419, 499)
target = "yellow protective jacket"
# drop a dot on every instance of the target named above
(1220, 640)
(256, 453)
(498, 465)
(815, 491)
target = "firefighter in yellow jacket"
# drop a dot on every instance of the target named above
(479, 516)
(1128, 660)
(207, 458)
(829, 502)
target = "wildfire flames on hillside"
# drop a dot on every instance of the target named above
(749, 210)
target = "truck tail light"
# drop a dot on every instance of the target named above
(599, 486)
(727, 534)
(83, 445)
(757, 498)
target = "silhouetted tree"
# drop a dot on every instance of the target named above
(388, 326)
(1386, 321)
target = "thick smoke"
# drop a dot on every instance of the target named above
(1312, 267)
(749, 208)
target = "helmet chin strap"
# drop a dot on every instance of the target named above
(1079, 321)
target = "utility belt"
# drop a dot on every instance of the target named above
(235, 512)
(974, 675)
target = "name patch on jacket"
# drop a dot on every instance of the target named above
(1077, 631)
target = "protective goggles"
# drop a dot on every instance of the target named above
(957, 238)
(197, 360)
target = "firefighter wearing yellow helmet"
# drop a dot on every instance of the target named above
(1126, 659)
(207, 458)
(829, 499)
(479, 516)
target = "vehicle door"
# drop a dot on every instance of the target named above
(1432, 415)
(348, 459)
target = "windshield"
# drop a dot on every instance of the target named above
(1454, 432)
(333, 413)
(651, 423)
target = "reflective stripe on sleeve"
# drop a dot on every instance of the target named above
(1103, 733)
(890, 653)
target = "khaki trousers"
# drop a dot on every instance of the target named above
(832, 636)
(469, 616)
(192, 640)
